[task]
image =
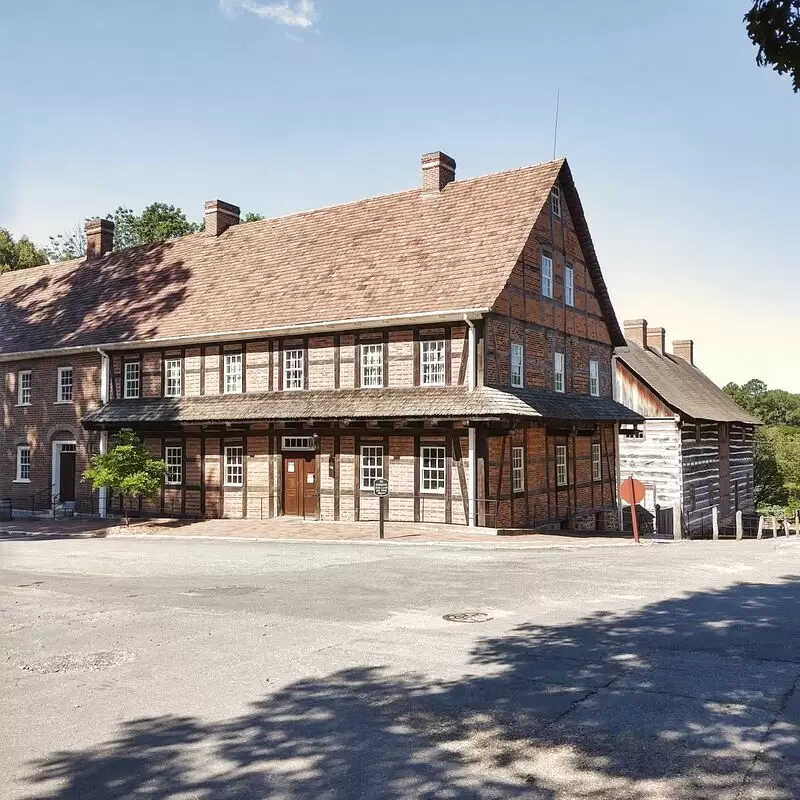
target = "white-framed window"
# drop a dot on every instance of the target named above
(234, 465)
(518, 469)
(24, 387)
(517, 372)
(594, 377)
(597, 464)
(561, 465)
(569, 285)
(293, 369)
(172, 377)
(233, 373)
(559, 372)
(173, 455)
(371, 464)
(432, 371)
(65, 384)
(555, 201)
(547, 275)
(131, 380)
(24, 463)
(297, 443)
(432, 469)
(372, 365)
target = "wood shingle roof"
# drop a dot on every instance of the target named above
(441, 402)
(682, 386)
(399, 254)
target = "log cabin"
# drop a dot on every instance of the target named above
(695, 448)
(455, 339)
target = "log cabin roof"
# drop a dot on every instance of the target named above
(682, 386)
(446, 402)
(409, 253)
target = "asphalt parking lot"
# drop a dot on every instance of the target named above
(158, 668)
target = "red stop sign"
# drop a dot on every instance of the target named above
(632, 491)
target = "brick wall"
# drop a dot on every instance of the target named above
(45, 421)
(543, 503)
(545, 325)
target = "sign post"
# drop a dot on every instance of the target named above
(381, 489)
(632, 492)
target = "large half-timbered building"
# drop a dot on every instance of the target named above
(455, 339)
(694, 450)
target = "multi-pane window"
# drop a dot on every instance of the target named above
(172, 377)
(597, 464)
(432, 466)
(174, 458)
(297, 443)
(547, 276)
(234, 465)
(561, 465)
(24, 391)
(559, 372)
(518, 468)
(293, 370)
(371, 465)
(23, 463)
(555, 201)
(516, 365)
(233, 373)
(65, 384)
(432, 372)
(594, 378)
(130, 386)
(372, 365)
(569, 285)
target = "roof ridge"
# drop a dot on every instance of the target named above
(415, 190)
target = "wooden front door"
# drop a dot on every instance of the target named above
(66, 476)
(299, 485)
(724, 471)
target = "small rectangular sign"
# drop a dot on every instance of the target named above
(381, 487)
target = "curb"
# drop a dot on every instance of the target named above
(377, 542)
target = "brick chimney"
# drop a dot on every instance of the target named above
(99, 237)
(438, 170)
(219, 216)
(636, 331)
(656, 339)
(684, 348)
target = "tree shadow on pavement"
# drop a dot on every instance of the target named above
(691, 697)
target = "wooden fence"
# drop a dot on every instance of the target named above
(753, 526)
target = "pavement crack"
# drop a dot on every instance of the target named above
(591, 693)
(760, 752)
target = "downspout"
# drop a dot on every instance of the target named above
(617, 464)
(471, 380)
(105, 369)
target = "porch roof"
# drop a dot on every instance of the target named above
(444, 402)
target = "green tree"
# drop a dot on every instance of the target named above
(157, 223)
(19, 255)
(126, 469)
(768, 478)
(774, 27)
(786, 440)
(252, 216)
(68, 245)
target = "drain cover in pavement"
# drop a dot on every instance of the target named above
(468, 616)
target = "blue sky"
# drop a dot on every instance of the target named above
(686, 155)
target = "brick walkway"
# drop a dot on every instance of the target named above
(308, 530)
(298, 530)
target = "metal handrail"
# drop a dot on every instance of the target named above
(38, 494)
